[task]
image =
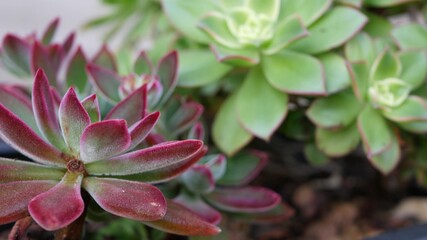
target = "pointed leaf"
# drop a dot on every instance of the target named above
(68, 43)
(333, 29)
(19, 104)
(243, 168)
(308, 10)
(105, 59)
(418, 127)
(216, 26)
(50, 31)
(197, 132)
(143, 65)
(252, 114)
(15, 197)
(13, 170)
(135, 200)
(244, 199)
(295, 73)
(184, 117)
(60, 206)
(413, 67)
(102, 140)
(412, 109)
(106, 81)
(199, 179)
(179, 220)
(387, 160)
(132, 108)
(152, 158)
(360, 48)
(337, 76)
(411, 36)
(227, 132)
(278, 214)
(204, 71)
(337, 143)
(15, 55)
(11, 131)
(140, 130)
(359, 75)
(335, 111)
(246, 57)
(217, 164)
(91, 106)
(199, 207)
(287, 31)
(167, 70)
(376, 134)
(386, 65)
(47, 58)
(73, 119)
(76, 75)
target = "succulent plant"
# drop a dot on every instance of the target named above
(79, 155)
(382, 82)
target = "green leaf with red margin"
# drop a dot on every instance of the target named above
(278, 214)
(217, 164)
(49, 59)
(360, 48)
(245, 57)
(198, 179)
(413, 67)
(143, 65)
(106, 81)
(337, 76)
(76, 75)
(147, 159)
(339, 142)
(199, 207)
(410, 36)
(167, 70)
(104, 58)
(15, 55)
(179, 220)
(335, 111)
(308, 10)
(140, 130)
(227, 132)
(386, 65)
(15, 197)
(184, 117)
(215, 25)
(252, 114)
(386, 3)
(295, 73)
(412, 109)
(91, 105)
(50, 31)
(388, 159)
(359, 75)
(129, 199)
(15, 170)
(334, 28)
(59, 206)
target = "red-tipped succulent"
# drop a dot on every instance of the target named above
(76, 151)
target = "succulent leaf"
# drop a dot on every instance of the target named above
(216, 26)
(50, 31)
(106, 81)
(199, 207)
(338, 142)
(308, 10)
(199, 179)
(143, 65)
(105, 59)
(337, 76)
(47, 58)
(14, 170)
(414, 71)
(140, 130)
(246, 57)
(167, 70)
(91, 106)
(15, 55)
(76, 75)
(411, 36)
(386, 65)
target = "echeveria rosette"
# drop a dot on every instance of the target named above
(382, 82)
(74, 150)
(216, 185)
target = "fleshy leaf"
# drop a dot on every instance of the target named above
(179, 220)
(199, 179)
(418, 127)
(217, 164)
(278, 214)
(386, 3)
(337, 143)
(337, 76)
(134, 200)
(308, 10)
(287, 31)
(197, 132)
(199, 207)
(387, 160)
(68, 43)
(335, 111)
(50, 31)
(13, 170)
(360, 48)
(359, 75)
(295, 73)
(132, 108)
(44, 111)
(91, 105)
(76, 75)
(227, 133)
(333, 29)
(378, 26)
(107, 82)
(411, 36)
(105, 139)
(47, 58)
(140, 130)
(215, 25)
(413, 67)
(167, 70)
(15, 197)
(243, 168)
(104, 58)
(376, 134)
(244, 199)
(412, 109)
(143, 65)
(19, 104)
(386, 65)
(11, 131)
(268, 8)
(147, 159)
(168, 172)
(201, 72)
(60, 206)
(73, 119)
(15, 55)
(252, 114)
(184, 117)
(246, 57)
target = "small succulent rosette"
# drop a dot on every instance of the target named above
(75, 152)
(382, 101)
